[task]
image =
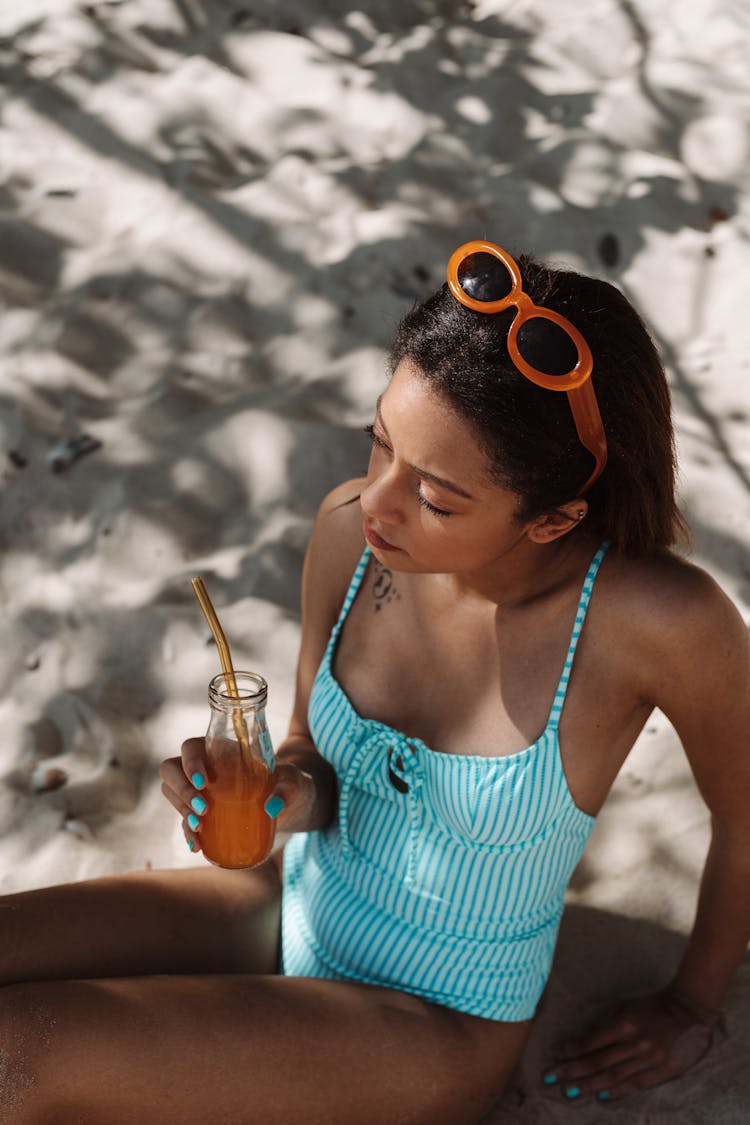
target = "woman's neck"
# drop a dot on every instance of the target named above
(525, 572)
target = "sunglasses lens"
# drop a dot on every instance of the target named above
(484, 277)
(546, 347)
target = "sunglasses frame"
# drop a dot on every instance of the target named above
(576, 383)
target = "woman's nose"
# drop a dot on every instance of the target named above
(382, 497)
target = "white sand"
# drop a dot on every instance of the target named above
(212, 216)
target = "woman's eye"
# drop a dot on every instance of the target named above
(422, 500)
(425, 503)
(369, 430)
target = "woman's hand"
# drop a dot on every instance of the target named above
(290, 803)
(640, 1043)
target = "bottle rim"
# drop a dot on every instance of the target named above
(252, 689)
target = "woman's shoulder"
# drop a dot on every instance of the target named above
(671, 614)
(665, 589)
(338, 524)
(336, 544)
(341, 502)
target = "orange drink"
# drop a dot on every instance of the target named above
(236, 831)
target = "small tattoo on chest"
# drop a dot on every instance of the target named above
(383, 588)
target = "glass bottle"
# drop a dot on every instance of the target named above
(235, 830)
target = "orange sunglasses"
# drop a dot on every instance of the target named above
(484, 277)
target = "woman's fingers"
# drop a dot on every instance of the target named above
(194, 761)
(686, 1050)
(182, 781)
(180, 792)
(610, 1027)
(290, 802)
(602, 1071)
(605, 1060)
(640, 1044)
(292, 798)
(191, 819)
(631, 1084)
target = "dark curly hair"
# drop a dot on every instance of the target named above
(528, 432)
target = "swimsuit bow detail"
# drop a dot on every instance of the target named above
(398, 760)
(444, 874)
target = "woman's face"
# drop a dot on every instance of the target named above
(430, 504)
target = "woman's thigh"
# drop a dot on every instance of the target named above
(244, 1049)
(202, 920)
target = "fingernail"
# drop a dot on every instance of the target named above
(273, 806)
(191, 845)
(199, 804)
(198, 780)
(572, 1091)
(603, 1096)
(193, 821)
(549, 1079)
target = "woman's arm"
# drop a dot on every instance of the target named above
(698, 669)
(305, 782)
(710, 711)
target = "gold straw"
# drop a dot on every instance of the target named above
(238, 719)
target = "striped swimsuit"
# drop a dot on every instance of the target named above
(442, 875)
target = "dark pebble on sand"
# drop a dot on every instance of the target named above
(66, 452)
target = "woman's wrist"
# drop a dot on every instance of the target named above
(316, 782)
(699, 1012)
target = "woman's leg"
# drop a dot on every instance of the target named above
(203, 920)
(244, 1049)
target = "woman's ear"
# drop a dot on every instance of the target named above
(553, 525)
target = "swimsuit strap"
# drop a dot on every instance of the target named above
(583, 605)
(351, 594)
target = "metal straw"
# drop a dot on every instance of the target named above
(238, 719)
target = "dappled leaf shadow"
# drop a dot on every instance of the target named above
(306, 171)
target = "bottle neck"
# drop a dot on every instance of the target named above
(252, 693)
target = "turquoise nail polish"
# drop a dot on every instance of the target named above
(603, 1096)
(198, 780)
(273, 806)
(193, 821)
(191, 845)
(549, 1079)
(199, 804)
(572, 1091)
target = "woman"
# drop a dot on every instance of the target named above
(445, 762)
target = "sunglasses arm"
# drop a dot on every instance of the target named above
(590, 428)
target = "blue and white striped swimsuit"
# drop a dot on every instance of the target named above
(443, 875)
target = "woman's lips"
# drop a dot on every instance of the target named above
(375, 540)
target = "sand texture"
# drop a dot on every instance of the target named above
(212, 213)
